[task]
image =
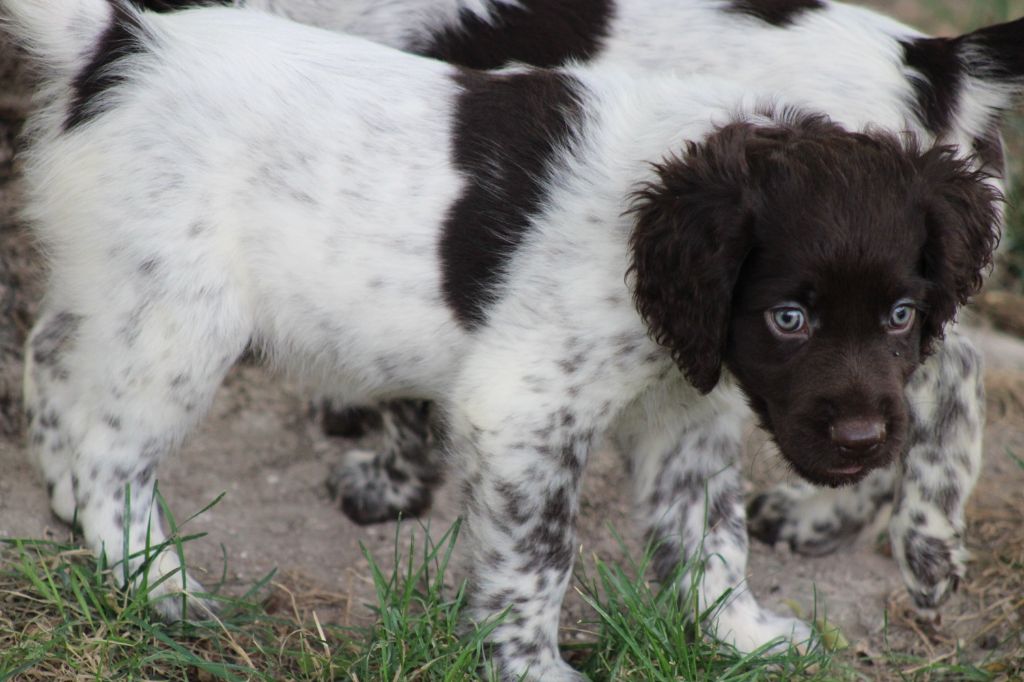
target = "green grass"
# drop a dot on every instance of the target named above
(62, 618)
(645, 633)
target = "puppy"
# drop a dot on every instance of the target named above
(851, 63)
(550, 256)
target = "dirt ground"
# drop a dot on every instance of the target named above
(261, 448)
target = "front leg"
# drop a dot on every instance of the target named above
(689, 500)
(521, 422)
(521, 499)
(947, 405)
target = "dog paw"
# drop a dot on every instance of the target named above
(172, 593)
(776, 515)
(932, 560)
(754, 631)
(812, 521)
(766, 516)
(553, 671)
(62, 498)
(369, 491)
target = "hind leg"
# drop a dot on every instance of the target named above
(45, 391)
(110, 389)
(348, 421)
(396, 478)
(817, 521)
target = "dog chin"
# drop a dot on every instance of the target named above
(843, 473)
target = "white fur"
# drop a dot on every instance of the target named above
(256, 179)
(841, 59)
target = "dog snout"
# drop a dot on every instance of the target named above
(858, 435)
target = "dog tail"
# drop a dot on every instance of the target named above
(995, 55)
(61, 35)
(978, 75)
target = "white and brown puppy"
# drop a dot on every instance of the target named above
(551, 256)
(857, 66)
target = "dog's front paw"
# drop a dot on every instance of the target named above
(749, 632)
(515, 670)
(62, 498)
(171, 592)
(931, 557)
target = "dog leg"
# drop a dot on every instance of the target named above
(520, 436)
(689, 501)
(46, 395)
(110, 388)
(349, 421)
(817, 521)
(521, 503)
(940, 470)
(398, 478)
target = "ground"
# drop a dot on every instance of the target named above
(260, 447)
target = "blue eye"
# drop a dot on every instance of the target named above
(902, 316)
(788, 321)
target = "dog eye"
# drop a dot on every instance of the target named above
(902, 316)
(788, 321)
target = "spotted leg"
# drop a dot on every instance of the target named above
(689, 501)
(349, 421)
(399, 475)
(47, 393)
(939, 472)
(522, 419)
(817, 521)
(109, 390)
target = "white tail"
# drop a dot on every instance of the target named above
(61, 34)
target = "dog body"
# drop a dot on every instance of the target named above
(854, 64)
(549, 255)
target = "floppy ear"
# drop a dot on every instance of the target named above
(962, 219)
(693, 230)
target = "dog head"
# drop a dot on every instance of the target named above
(820, 266)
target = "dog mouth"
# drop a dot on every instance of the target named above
(847, 475)
(851, 470)
(834, 477)
(833, 472)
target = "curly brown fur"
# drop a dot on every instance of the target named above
(756, 219)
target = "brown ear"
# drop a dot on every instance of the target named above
(694, 228)
(962, 218)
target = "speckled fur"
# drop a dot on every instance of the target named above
(243, 184)
(799, 49)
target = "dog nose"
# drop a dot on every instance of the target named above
(858, 434)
